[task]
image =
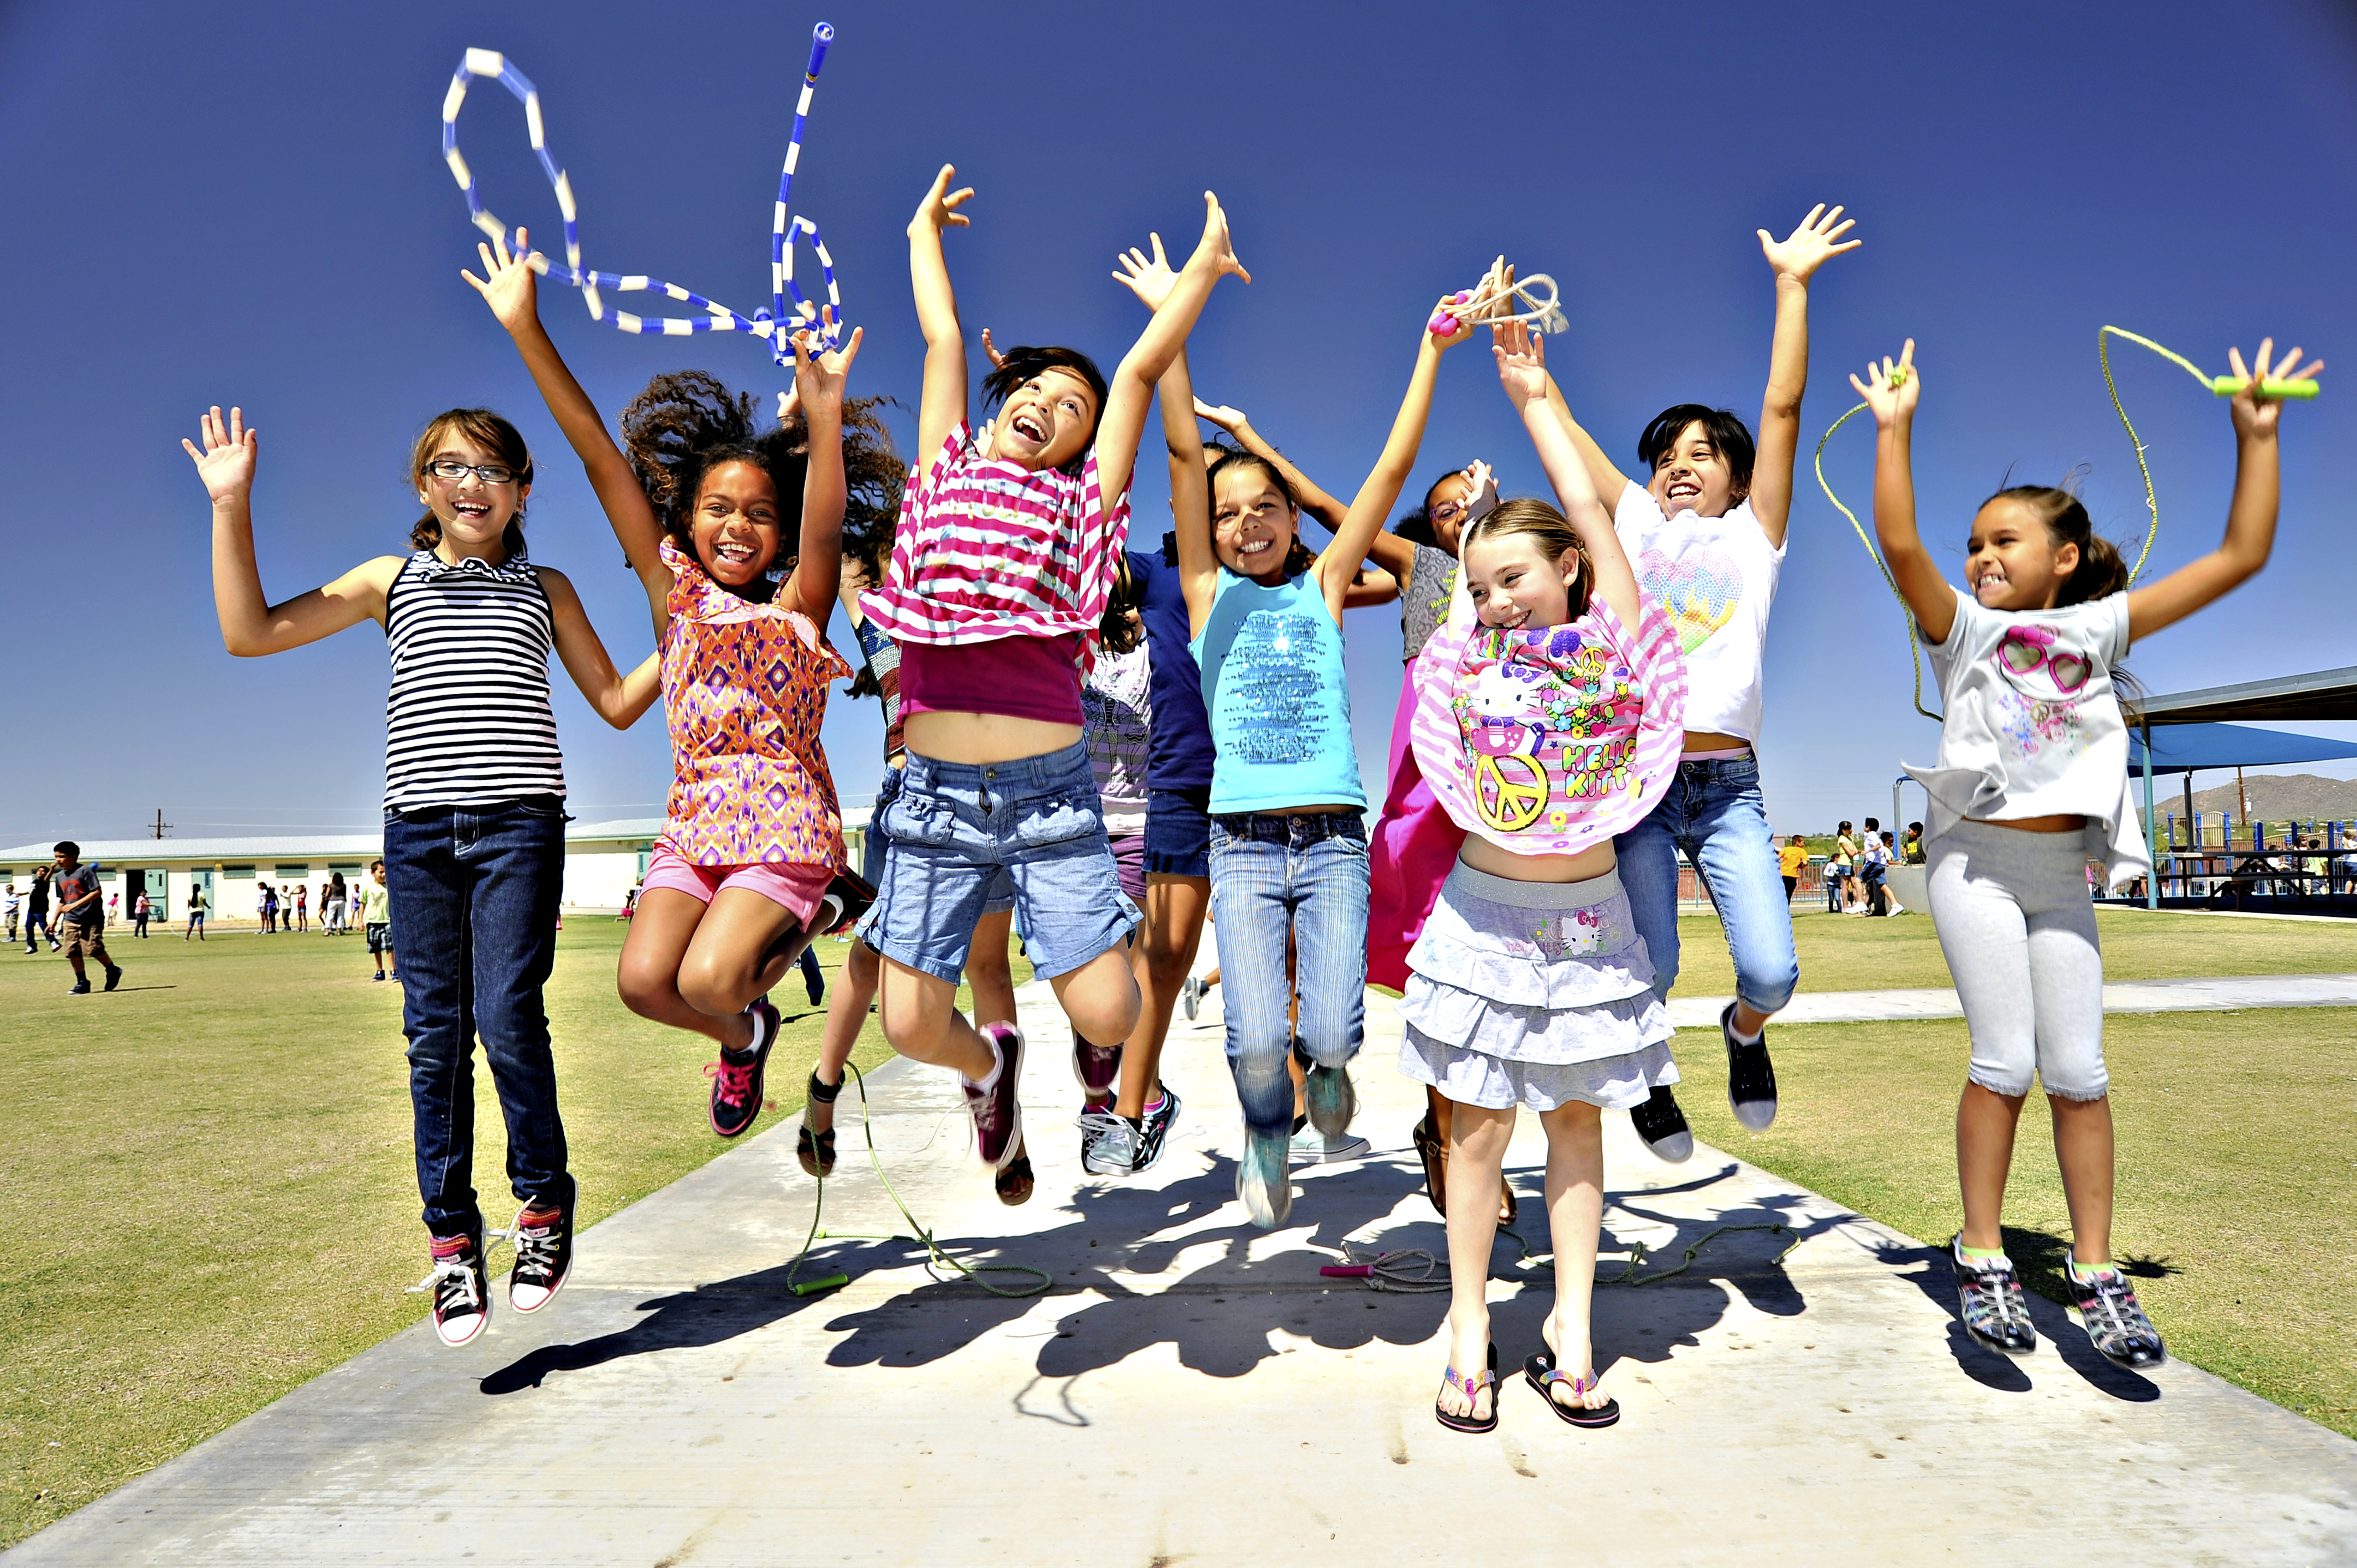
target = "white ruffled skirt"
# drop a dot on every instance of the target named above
(1533, 993)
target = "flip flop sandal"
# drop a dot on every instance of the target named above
(1471, 1388)
(1435, 1155)
(814, 1152)
(1015, 1183)
(1540, 1373)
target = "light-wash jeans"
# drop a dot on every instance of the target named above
(1714, 813)
(1305, 875)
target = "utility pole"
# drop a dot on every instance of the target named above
(162, 827)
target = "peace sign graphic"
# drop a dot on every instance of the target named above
(1509, 792)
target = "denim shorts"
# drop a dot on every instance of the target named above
(1179, 833)
(958, 828)
(876, 840)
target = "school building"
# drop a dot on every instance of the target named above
(603, 861)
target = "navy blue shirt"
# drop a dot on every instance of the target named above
(1179, 748)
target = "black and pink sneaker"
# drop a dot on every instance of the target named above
(736, 1076)
(543, 1238)
(998, 1113)
(461, 1287)
(1097, 1066)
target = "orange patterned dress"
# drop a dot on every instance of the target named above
(743, 691)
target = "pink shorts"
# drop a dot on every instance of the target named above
(797, 889)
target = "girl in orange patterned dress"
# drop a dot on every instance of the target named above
(741, 580)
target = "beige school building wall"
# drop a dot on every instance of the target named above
(603, 861)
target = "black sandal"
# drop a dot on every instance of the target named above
(1472, 1388)
(1013, 1182)
(1435, 1155)
(1540, 1373)
(814, 1152)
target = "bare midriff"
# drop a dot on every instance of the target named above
(977, 738)
(1704, 740)
(1307, 812)
(2062, 823)
(1482, 855)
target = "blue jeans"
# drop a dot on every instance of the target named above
(476, 888)
(1714, 813)
(1305, 875)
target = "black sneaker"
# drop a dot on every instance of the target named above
(113, 976)
(1750, 1078)
(79, 988)
(736, 1076)
(543, 1238)
(1993, 1311)
(461, 1287)
(1097, 1066)
(1663, 1126)
(2108, 1310)
(1153, 1132)
(998, 1113)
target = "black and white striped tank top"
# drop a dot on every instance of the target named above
(468, 722)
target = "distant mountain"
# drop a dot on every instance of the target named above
(2274, 798)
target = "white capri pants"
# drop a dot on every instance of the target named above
(2019, 929)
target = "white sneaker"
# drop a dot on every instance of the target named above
(1311, 1147)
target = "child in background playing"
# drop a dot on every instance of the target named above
(376, 920)
(2032, 784)
(1790, 861)
(1707, 535)
(1001, 568)
(1543, 730)
(473, 828)
(1288, 858)
(737, 538)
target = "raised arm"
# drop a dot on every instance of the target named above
(1191, 494)
(1314, 501)
(1338, 561)
(251, 625)
(510, 289)
(1890, 390)
(1795, 258)
(619, 699)
(944, 407)
(2250, 515)
(818, 383)
(1521, 371)
(1134, 380)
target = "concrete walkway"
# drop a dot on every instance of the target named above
(2214, 995)
(1194, 1391)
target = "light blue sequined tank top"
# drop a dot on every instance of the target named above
(1280, 707)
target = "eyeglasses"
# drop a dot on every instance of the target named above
(1448, 511)
(450, 471)
(2022, 654)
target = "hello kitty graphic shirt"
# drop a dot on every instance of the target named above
(1714, 578)
(2032, 727)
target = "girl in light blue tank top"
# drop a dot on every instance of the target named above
(1288, 825)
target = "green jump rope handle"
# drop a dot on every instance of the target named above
(812, 1287)
(2227, 386)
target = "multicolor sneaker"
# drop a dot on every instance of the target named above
(1108, 1142)
(1329, 1099)
(1264, 1177)
(1663, 1126)
(998, 1113)
(736, 1076)
(1751, 1077)
(543, 1236)
(1098, 1068)
(1995, 1313)
(1153, 1132)
(461, 1287)
(2107, 1308)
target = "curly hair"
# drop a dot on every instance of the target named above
(487, 431)
(1116, 632)
(686, 423)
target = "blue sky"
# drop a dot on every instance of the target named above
(252, 208)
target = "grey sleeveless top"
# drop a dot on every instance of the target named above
(1424, 599)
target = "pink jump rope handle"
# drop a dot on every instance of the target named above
(1444, 324)
(1350, 1270)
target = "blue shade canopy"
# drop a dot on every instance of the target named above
(2183, 748)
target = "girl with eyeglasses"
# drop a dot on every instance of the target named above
(474, 811)
(2030, 785)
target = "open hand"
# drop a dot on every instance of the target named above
(1483, 501)
(1217, 248)
(2253, 415)
(1150, 279)
(508, 285)
(819, 378)
(226, 464)
(1520, 354)
(1808, 247)
(938, 210)
(990, 351)
(1229, 420)
(1892, 388)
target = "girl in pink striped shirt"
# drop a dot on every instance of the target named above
(1000, 571)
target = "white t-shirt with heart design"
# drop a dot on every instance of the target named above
(2033, 727)
(1714, 578)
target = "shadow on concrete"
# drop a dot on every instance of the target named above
(1930, 1271)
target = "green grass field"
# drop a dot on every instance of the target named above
(207, 1193)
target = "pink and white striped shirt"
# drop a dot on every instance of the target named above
(987, 549)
